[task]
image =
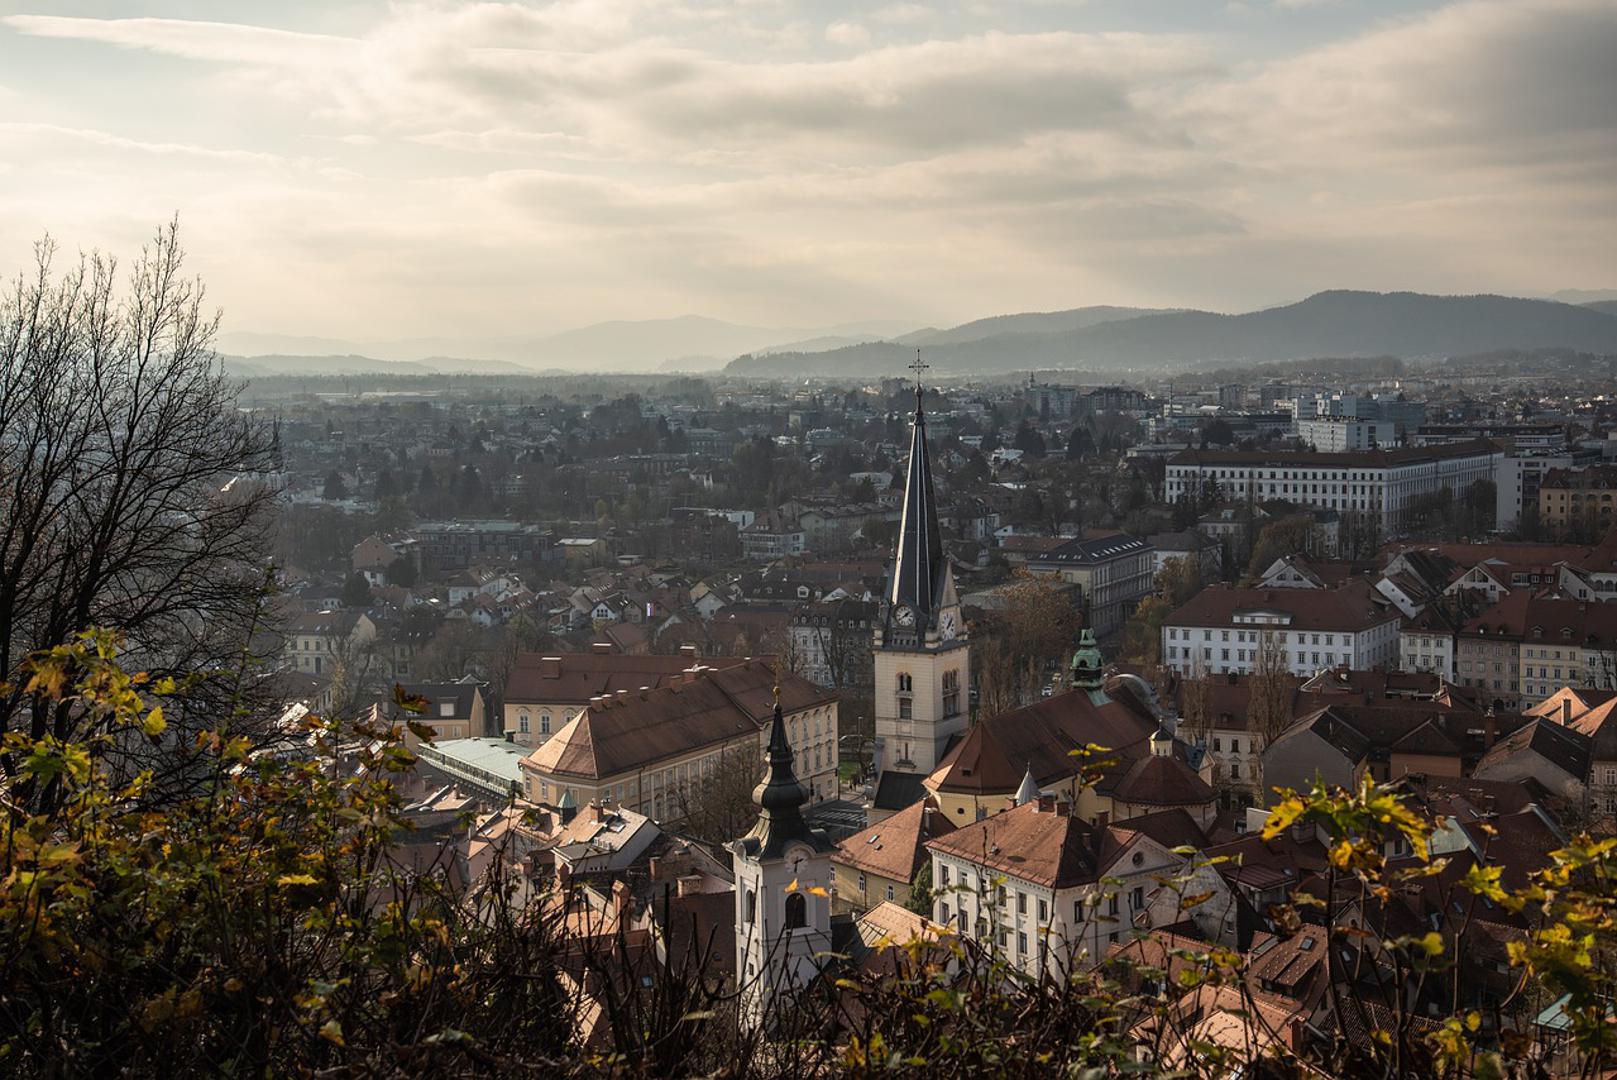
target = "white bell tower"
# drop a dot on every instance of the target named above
(782, 888)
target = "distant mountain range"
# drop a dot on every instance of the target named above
(1337, 323)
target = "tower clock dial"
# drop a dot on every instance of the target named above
(946, 626)
(905, 615)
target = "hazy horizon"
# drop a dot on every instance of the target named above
(373, 172)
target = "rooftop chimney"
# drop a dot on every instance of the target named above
(550, 667)
(1490, 729)
(688, 652)
(1047, 804)
(688, 885)
(601, 648)
(1566, 709)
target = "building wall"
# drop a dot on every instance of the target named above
(859, 890)
(921, 738)
(652, 789)
(1199, 650)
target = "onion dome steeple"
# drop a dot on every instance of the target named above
(918, 583)
(780, 798)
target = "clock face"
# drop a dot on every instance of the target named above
(905, 615)
(946, 625)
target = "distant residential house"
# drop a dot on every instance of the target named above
(1555, 756)
(1191, 547)
(880, 863)
(318, 640)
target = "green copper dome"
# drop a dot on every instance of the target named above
(1087, 663)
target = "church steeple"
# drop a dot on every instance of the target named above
(779, 796)
(918, 573)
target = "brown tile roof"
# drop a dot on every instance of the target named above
(574, 678)
(1565, 748)
(707, 709)
(1351, 607)
(994, 755)
(1045, 847)
(895, 847)
(1162, 781)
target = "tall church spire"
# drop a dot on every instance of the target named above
(918, 572)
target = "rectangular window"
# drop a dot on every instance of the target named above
(1044, 912)
(1021, 903)
(1137, 900)
(1021, 942)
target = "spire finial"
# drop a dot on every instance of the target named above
(918, 367)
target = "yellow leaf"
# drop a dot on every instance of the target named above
(296, 879)
(333, 1031)
(154, 724)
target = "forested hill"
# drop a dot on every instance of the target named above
(1337, 323)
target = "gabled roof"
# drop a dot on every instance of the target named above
(1041, 846)
(995, 754)
(895, 847)
(705, 708)
(1566, 749)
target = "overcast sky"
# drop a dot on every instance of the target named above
(381, 170)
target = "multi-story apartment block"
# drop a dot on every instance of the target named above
(1579, 498)
(1523, 649)
(1339, 434)
(316, 642)
(1225, 629)
(1113, 570)
(1379, 483)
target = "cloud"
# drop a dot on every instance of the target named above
(601, 159)
(847, 33)
(18, 135)
(193, 39)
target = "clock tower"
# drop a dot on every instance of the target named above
(923, 668)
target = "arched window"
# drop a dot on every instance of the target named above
(522, 723)
(796, 911)
(544, 724)
(752, 907)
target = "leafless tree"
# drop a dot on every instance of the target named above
(718, 806)
(134, 493)
(1273, 689)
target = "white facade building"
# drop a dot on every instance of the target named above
(1381, 483)
(1223, 630)
(1033, 885)
(1339, 434)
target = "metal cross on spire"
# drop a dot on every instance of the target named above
(918, 367)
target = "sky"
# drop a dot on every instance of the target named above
(372, 170)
